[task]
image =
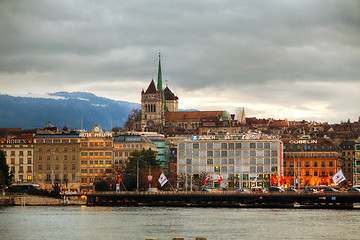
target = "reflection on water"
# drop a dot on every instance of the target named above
(165, 223)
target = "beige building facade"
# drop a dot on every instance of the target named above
(19, 156)
(57, 161)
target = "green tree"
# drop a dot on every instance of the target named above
(6, 177)
(129, 122)
(144, 157)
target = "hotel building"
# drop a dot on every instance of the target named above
(252, 158)
(311, 162)
(57, 161)
(19, 157)
(96, 157)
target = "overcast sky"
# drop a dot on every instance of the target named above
(281, 59)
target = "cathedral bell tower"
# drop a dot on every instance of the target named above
(153, 105)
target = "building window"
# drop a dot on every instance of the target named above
(29, 153)
(29, 161)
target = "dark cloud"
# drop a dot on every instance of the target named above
(269, 53)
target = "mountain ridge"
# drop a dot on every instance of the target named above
(73, 109)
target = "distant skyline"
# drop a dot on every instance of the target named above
(297, 60)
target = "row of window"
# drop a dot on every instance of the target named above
(227, 169)
(96, 154)
(56, 149)
(21, 161)
(21, 169)
(96, 162)
(309, 147)
(97, 144)
(231, 145)
(57, 166)
(95, 170)
(244, 153)
(230, 161)
(48, 157)
(75, 140)
(21, 153)
(57, 177)
(309, 164)
(310, 155)
(310, 174)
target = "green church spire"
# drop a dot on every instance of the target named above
(159, 80)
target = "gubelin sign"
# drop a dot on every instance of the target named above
(304, 141)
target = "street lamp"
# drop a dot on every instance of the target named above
(137, 171)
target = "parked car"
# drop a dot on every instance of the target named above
(353, 190)
(242, 190)
(291, 190)
(275, 189)
(310, 190)
(258, 190)
(330, 189)
(152, 190)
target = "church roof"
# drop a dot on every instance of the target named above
(151, 88)
(176, 116)
(169, 95)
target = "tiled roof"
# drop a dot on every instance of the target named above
(173, 116)
(169, 95)
(151, 88)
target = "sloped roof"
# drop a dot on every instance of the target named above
(151, 89)
(173, 116)
(169, 95)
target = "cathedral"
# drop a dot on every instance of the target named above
(160, 113)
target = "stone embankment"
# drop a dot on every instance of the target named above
(32, 200)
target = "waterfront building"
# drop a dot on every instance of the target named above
(19, 157)
(163, 149)
(57, 161)
(311, 162)
(96, 157)
(248, 159)
(125, 144)
(357, 161)
(348, 157)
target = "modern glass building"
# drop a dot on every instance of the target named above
(248, 159)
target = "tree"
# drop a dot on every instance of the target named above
(117, 130)
(129, 122)
(6, 177)
(144, 157)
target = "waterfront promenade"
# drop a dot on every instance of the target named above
(338, 200)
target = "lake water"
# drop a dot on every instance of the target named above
(75, 222)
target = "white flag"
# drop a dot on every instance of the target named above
(162, 179)
(256, 178)
(338, 177)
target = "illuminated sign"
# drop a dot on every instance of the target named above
(95, 134)
(306, 141)
(18, 141)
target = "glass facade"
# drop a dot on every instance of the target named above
(250, 162)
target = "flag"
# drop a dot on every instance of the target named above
(274, 179)
(220, 179)
(338, 177)
(162, 179)
(282, 180)
(133, 114)
(256, 178)
(207, 179)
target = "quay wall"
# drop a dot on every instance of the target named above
(32, 200)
